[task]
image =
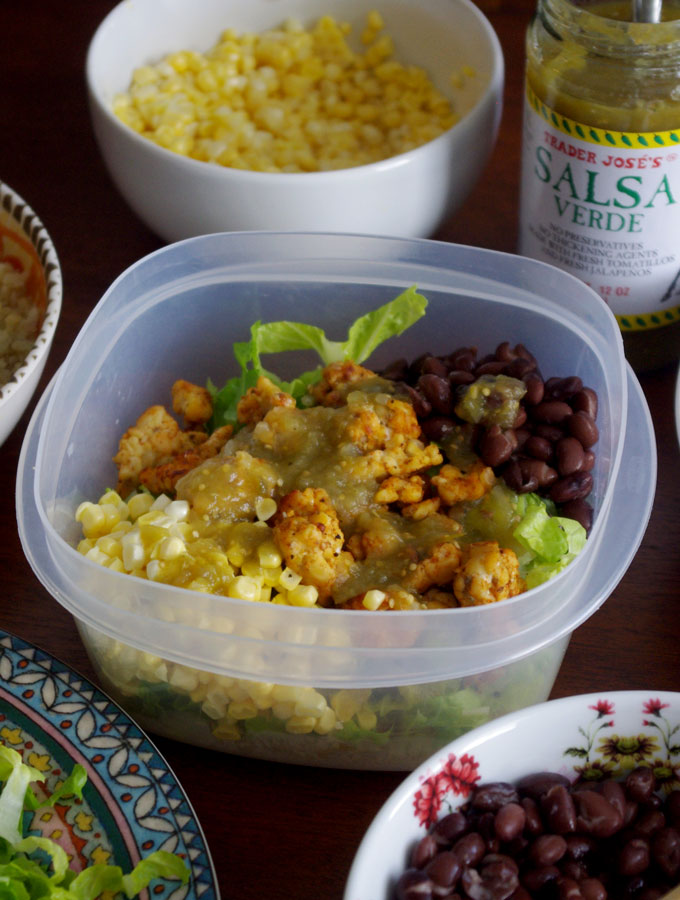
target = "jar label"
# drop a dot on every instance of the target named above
(605, 206)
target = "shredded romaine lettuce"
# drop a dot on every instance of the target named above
(553, 540)
(364, 335)
(36, 868)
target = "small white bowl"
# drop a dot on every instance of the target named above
(595, 736)
(23, 236)
(408, 195)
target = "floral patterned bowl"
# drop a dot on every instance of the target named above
(590, 736)
(27, 251)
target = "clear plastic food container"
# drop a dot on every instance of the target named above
(399, 685)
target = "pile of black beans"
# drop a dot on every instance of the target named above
(548, 839)
(548, 450)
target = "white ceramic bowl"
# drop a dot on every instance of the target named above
(594, 736)
(24, 238)
(407, 195)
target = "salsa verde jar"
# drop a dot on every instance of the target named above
(600, 188)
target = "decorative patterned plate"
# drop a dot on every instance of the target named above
(132, 803)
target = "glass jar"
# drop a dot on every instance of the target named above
(600, 191)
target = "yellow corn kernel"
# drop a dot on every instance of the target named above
(110, 546)
(85, 545)
(326, 722)
(347, 703)
(170, 548)
(373, 599)
(303, 595)
(269, 555)
(289, 579)
(92, 518)
(244, 588)
(115, 564)
(183, 678)
(139, 504)
(310, 703)
(246, 709)
(366, 718)
(265, 507)
(300, 724)
(226, 730)
(283, 711)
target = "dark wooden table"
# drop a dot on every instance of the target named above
(279, 831)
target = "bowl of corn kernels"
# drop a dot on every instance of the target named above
(304, 563)
(30, 302)
(342, 116)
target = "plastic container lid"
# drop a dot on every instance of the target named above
(176, 313)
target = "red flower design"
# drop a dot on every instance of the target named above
(603, 708)
(457, 776)
(654, 707)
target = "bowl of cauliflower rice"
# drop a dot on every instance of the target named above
(335, 499)
(341, 116)
(30, 302)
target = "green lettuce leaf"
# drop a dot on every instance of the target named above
(553, 542)
(364, 335)
(36, 868)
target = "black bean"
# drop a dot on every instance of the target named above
(537, 784)
(519, 480)
(547, 849)
(490, 367)
(470, 849)
(580, 511)
(460, 376)
(565, 388)
(666, 851)
(533, 824)
(421, 406)
(557, 804)
(489, 797)
(535, 880)
(519, 367)
(634, 857)
(425, 850)
(582, 426)
(572, 487)
(593, 889)
(452, 826)
(445, 869)
(539, 448)
(436, 428)
(413, 885)
(464, 359)
(551, 412)
(509, 821)
(437, 391)
(568, 889)
(585, 400)
(614, 793)
(535, 388)
(434, 366)
(496, 446)
(640, 784)
(595, 815)
(569, 455)
(496, 879)
(551, 433)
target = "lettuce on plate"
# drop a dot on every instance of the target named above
(36, 868)
(365, 334)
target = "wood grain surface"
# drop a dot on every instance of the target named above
(280, 831)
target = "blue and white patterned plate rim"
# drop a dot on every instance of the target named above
(121, 761)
